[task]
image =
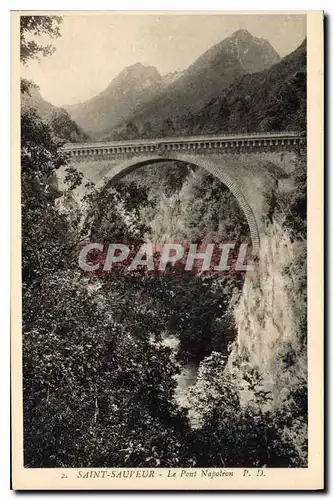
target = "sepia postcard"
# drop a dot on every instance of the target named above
(167, 232)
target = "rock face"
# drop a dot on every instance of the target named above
(135, 85)
(271, 318)
(171, 77)
(254, 54)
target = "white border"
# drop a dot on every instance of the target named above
(327, 5)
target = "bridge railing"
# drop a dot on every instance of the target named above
(184, 140)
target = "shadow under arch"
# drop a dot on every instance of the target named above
(125, 167)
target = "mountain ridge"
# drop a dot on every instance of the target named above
(216, 69)
(270, 100)
(140, 91)
(266, 101)
(223, 91)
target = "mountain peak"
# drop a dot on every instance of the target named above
(139, 70)
(136, 65)
(254, 54)
(242, 33)
(134, 85)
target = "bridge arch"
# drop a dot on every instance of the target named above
(120, 170)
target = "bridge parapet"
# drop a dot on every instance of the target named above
(195, 144)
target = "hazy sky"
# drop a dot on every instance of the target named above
(93, 49)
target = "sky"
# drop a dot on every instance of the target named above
(93, 49)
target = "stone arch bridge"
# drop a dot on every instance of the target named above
(252, 166)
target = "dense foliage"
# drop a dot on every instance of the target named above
(99, 380)
(60, 121)
(32, 26)
(82, 354)
(271, 100)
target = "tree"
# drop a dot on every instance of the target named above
(132, 131)
(294, 205)
(89, 395)
(44, 230)
(167, 128)
(82, 353)
(37, 26)
(147, 130)
(65, 128)
(232, 433)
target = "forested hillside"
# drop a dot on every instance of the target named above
(270, 100)
(60, 121)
